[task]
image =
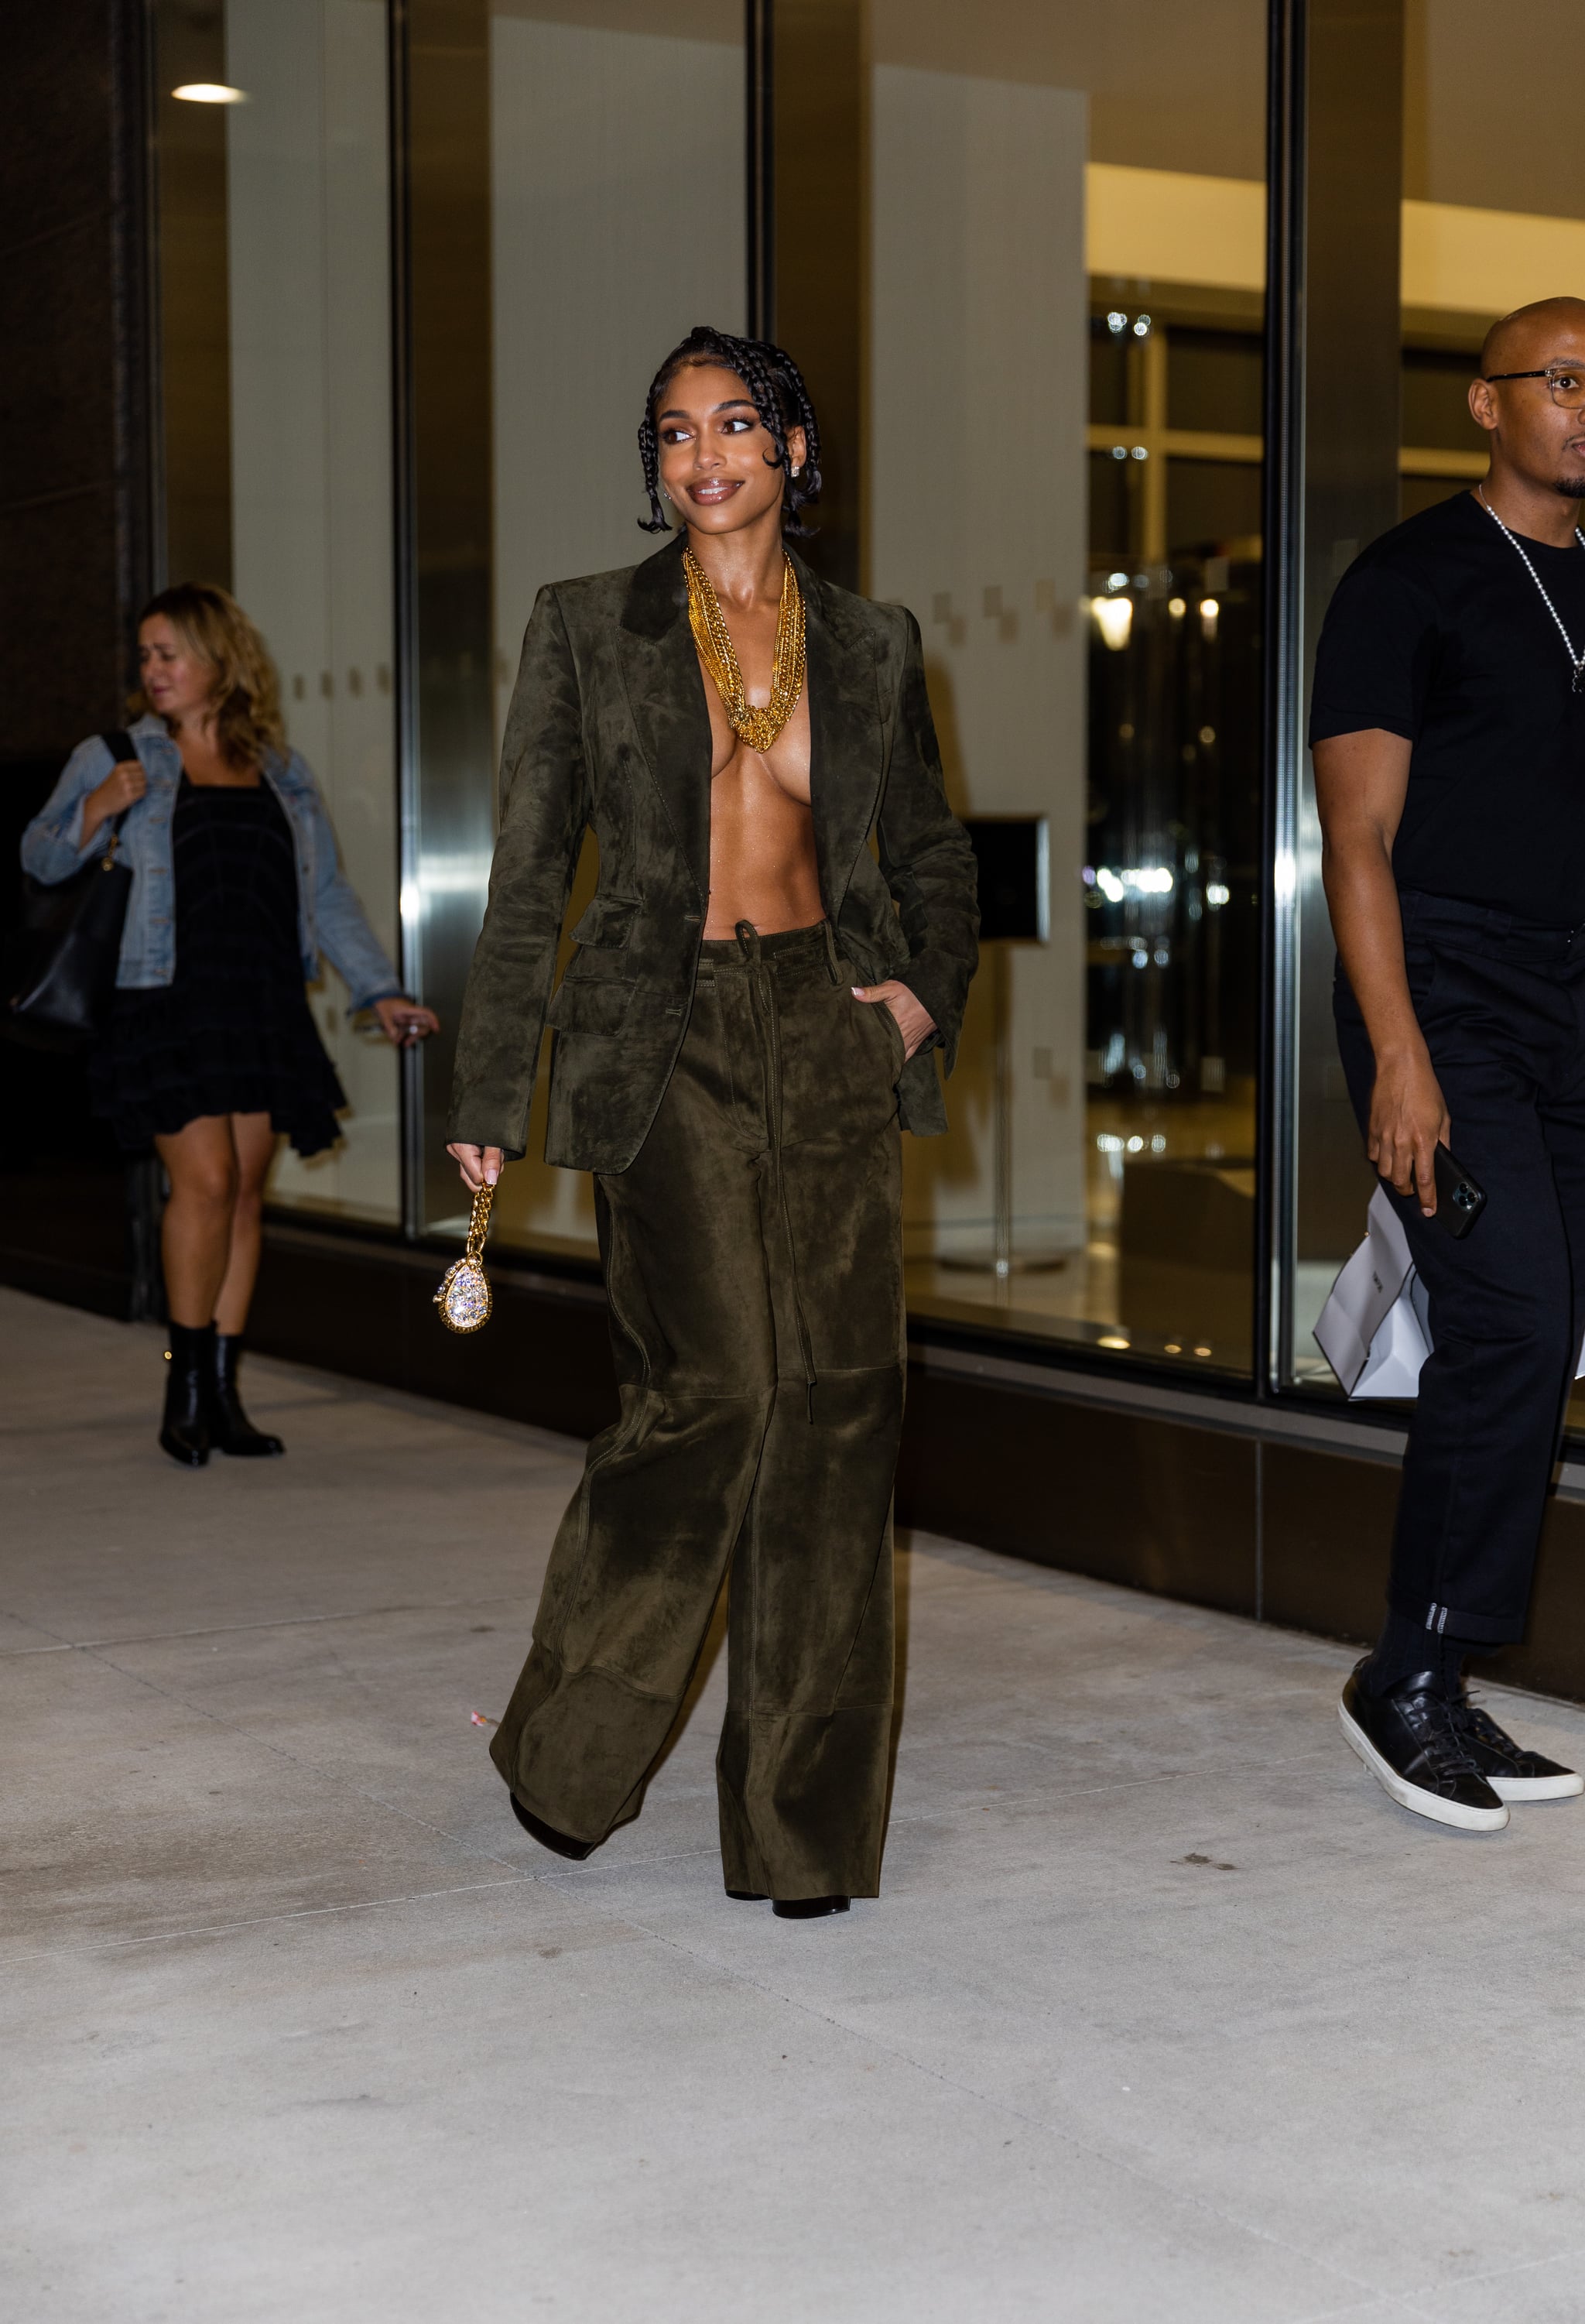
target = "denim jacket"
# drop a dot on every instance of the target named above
(330, 919)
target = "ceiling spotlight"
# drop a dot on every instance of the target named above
(210, 92)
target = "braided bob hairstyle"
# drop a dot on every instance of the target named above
(246, 693)
(776, 386)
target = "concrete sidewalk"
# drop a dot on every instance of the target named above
(1165, 2014)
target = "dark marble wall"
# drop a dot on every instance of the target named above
(76, 553)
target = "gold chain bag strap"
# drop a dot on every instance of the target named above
(464, 1298)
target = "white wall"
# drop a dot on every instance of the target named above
(978, 395)
(310, 448)
(618, 224)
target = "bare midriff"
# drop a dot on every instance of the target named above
(762, 862)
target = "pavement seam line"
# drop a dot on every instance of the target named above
(246, 1630)
(264, 1920)
(292, 1759)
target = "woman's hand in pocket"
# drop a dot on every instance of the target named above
(914, 1021)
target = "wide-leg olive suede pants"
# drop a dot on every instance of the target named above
(753, 1261)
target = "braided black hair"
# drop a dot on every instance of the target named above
(780, 398)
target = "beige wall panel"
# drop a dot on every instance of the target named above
(977, 522)
(310, 379)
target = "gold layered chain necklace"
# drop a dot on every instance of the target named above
(757, 728)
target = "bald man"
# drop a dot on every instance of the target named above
(1448, 728)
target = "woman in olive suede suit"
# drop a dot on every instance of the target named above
(747, 1023)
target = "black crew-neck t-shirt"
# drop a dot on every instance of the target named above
(1438, 633)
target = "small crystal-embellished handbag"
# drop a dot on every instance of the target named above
(464, 1296)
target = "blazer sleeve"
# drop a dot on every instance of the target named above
(545, 810)
(927, 860)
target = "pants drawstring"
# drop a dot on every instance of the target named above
(763, 993)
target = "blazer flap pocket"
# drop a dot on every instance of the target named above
(609, 920)
(589, 1005)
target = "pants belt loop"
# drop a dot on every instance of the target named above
(830, 935)
(748, 938)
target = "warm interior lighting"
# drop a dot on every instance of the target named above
(210, 92)
(1111, 1340)
(1114, 618)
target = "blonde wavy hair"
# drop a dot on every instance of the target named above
(212, 626)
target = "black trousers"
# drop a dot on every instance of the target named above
(753, 1258)
(1502, 1006)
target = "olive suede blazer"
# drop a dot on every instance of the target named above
(608, 727)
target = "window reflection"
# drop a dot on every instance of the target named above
(276, 356)
(1065, 353)
(539, 238)
(1491, 217)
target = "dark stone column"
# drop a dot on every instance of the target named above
(76, 499)
(1352, 369)
(76, 552)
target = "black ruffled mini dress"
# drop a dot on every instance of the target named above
(233, 1032)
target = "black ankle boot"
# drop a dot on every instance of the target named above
(230, 1429)
(185, 1435)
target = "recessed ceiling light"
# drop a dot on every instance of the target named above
(210, 92)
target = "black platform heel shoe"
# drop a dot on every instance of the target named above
(230, 1429)
(807, 1908)
(185, 1431)
(558, 1843)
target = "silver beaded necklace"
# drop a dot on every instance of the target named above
(1577, 659)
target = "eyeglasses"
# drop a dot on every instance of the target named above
(1565, 382)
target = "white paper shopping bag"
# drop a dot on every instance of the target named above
(1367, 1305)
(1375, 1329)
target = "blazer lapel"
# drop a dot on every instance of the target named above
(666, 696)
(845, 735)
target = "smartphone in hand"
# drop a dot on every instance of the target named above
(1460, 1199)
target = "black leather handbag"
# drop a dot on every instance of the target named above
(60, 968)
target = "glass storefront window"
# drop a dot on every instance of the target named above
(275, 361)
(1063, 351)
(561, 243)
(1490, 217)
(1024, 271)
(1022, 257)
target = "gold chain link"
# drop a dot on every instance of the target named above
(756, 727)
(479, 1225)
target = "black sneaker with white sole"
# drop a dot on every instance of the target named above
(1513, 1773)
(1412, 1742)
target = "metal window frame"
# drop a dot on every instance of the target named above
(404, 595)
(1282, 524)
